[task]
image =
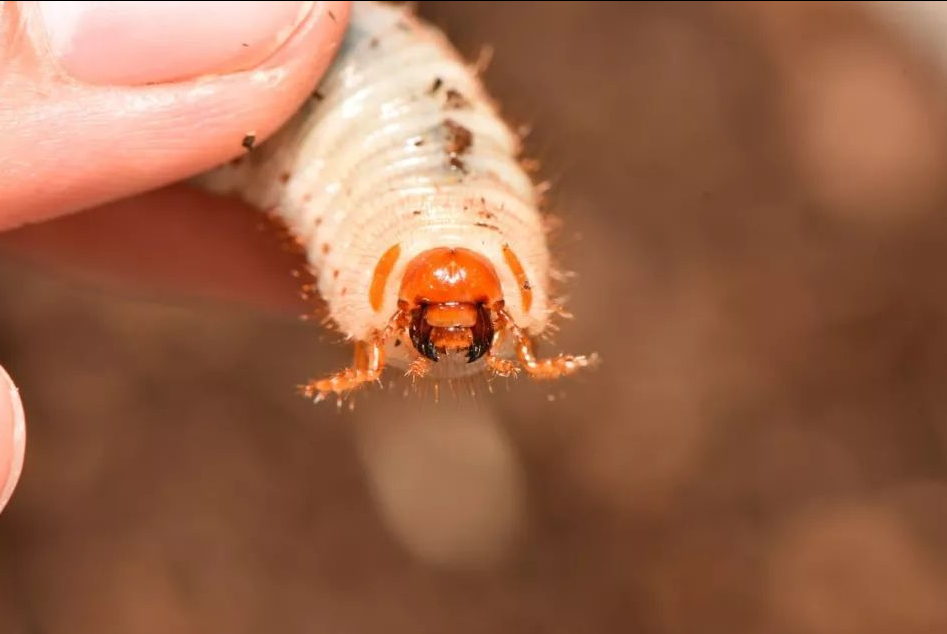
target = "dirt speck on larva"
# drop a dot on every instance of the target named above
(438, 82)
(459, 138)
(248, 140)
(455, 100)
(416, 212)
(458, 164)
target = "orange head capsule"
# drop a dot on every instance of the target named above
(449, 295)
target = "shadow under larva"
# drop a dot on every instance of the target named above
(419, 222)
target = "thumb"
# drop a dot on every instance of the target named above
(102, 100)
(12, 437)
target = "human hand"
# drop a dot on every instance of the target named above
(102, 101)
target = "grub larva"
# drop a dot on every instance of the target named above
(403, 185)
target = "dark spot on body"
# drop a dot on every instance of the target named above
(460, 138)
(416, 212)
(527, 286)
(438, 82)
(455, 100)
(373, 43)
(488, 226)
(335, 274)
(458, 164)
(418, 142)
(326, 248)
(284, 177)
(332, 17)
(487, 215)
(237, 161)
(344, 291)
(318, 96)
(248, 141)
(244, 44)
(397, 342)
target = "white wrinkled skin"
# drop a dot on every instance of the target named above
(357, 176)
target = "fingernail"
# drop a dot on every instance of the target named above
(12, 428)
(133, 43)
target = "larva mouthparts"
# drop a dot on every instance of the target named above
(403, 185)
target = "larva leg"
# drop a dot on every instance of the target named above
(554, 368)
(562, 365)
(368, 366)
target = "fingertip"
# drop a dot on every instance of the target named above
(71, 145)
(12, 437)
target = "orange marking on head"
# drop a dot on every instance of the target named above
(526, 291)
(376, 293)
(450, 276)
(449, 315)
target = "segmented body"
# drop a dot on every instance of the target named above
(400, 151)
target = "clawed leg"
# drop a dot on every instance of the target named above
(560, 366)
(554, 368)
(368, 366)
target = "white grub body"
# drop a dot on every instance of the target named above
(365, 166)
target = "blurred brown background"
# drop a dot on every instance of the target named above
(752, 198)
